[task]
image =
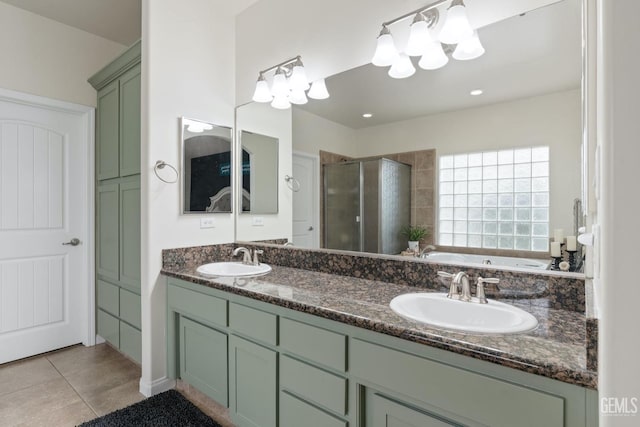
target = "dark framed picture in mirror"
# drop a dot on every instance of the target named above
(207, 167)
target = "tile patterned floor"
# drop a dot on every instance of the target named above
(67, 387)
(76, 384)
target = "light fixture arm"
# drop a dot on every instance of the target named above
(422, 10)
(283, 64)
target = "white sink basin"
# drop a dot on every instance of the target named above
(232, 269)
(439, 311)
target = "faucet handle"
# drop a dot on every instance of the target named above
(257, 252)
(453, 286)
(445, 275)
(482, 299)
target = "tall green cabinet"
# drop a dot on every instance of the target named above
(118, 202)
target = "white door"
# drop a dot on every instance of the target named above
(44, 284)
(305, 201)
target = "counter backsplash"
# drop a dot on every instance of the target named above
(552, 291)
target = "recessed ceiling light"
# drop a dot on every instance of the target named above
(367, 115)
(476, 92)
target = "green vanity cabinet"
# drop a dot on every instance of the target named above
(253, 388)
(287, 368)
(118, 202)
(203, 359)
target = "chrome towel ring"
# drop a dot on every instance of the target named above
(160, 164)
(292, 183)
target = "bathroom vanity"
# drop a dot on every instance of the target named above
(325, 348)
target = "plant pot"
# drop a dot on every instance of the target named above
(414, 245)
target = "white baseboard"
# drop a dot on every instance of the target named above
(100, 340)
(152, 388)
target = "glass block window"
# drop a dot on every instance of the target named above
(495, 199)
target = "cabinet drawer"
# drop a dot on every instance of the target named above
(195, 304)
(316, 344)
(130, 307)
(131, 342)
(253, 323)
(457, 391)
(108, 297)
(313, 384)
(293, 411)
(109, 328)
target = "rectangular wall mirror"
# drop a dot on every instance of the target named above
(206, 167)
(259, 173)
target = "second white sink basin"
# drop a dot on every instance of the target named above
(232, 269)
(439, 311)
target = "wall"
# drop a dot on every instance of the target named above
(312, 133)
(553, 120)
(265, 120)
(618, 130)
(46, 58)
(187, 57)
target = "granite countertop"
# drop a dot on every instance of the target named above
(556, 349)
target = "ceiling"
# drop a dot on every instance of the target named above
(526, 55)
(115, 20)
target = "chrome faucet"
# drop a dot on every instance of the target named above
(462, 279)
(246, 257)
(424, 253)
(460, 288)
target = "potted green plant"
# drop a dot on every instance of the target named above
(414, 234)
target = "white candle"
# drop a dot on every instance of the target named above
(555, 249)
(571, 243)
(558, 235)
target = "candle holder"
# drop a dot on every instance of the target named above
(572, 260)
(555, 265)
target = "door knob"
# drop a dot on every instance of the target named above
(310, 228)
(73, 242)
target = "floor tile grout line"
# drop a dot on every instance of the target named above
(4, 394)
(72, 387)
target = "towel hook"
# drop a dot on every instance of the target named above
(160, 164)
(292, 183)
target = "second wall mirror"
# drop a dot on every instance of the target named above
(259, 173)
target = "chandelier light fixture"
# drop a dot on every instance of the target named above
(289, 85)
(456, 37)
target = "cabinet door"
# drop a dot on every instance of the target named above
(382, 412)
(109, 328)
(130, 122)
(108, 232)
(203, 359)
(130, 233)
(253, 388)
(107, 133)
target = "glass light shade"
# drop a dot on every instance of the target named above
(469, 48)
(457, 26)
(280, 102)
(402, 68)
(386, 52)
(419, 38)
(280, 86)
(262, 92)
(318, 90)
(433, 57)
(298, 97)
(298, 79)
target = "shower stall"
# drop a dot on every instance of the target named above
(366, 204)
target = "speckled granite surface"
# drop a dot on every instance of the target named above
(556, 349)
